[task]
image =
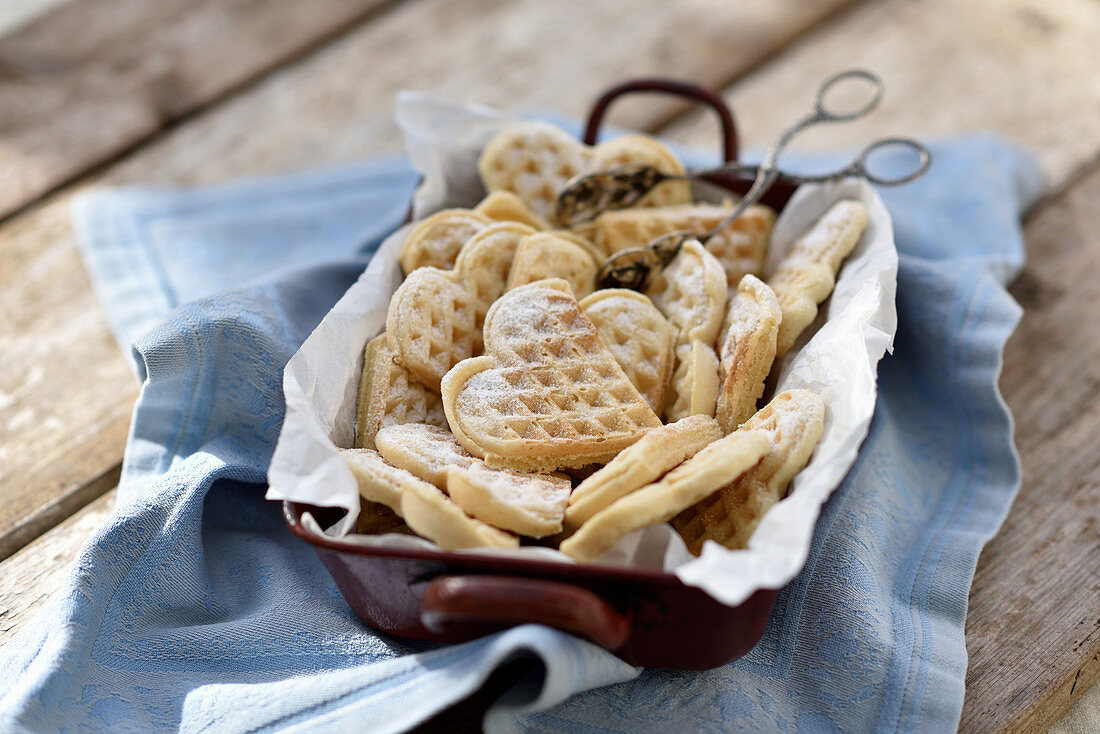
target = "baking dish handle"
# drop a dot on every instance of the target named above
(451, 602)
(676, 88)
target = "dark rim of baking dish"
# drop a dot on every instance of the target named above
(292, 512)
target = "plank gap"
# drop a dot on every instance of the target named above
(65, 505)
(35, 574)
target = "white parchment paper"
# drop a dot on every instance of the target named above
(836, 358)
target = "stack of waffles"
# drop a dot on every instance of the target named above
(511, 400)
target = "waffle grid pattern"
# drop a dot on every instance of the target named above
(390, 396)
(793, 421)
(434, 324)
(556, 390)
(640, 340)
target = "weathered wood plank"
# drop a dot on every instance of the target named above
(92, 79)
(1026, 69)
(339, 105)
(1033, 629)
(67, 424)
(30, 578)
(1023, 68)
(65, 390)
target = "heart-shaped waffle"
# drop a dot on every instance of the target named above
(694, 383)
(424, 450)
(528, 504)
(718, 464)
(740, 248)
(486, 260)
(435, 317)
(389, 395)
(423, 506)
(548, 394)
(639, 337)
(691, 293)
(806, 275)
(504, 206)
(546, 255)
(436, 241)
(643, 462)
(747, 351)
(432, 323)
(793, 422)
(535, 160)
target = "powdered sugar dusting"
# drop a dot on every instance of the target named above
(543, 495)
(424, 450)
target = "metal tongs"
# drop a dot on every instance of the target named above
(588, 196)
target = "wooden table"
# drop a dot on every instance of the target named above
(106, 92)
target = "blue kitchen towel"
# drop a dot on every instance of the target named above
(194, 608)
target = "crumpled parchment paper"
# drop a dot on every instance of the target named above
(836, 358)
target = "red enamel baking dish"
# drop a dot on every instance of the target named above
(645, 617)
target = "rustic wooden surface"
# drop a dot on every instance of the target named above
(1037, 589)
(334, 105)
(66, 389)
(1020, 67)
(37, 572)
(1033, 632)
(84, 85)
(1025, 69)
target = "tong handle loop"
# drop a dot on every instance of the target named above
(827, 107)
(676, 88)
